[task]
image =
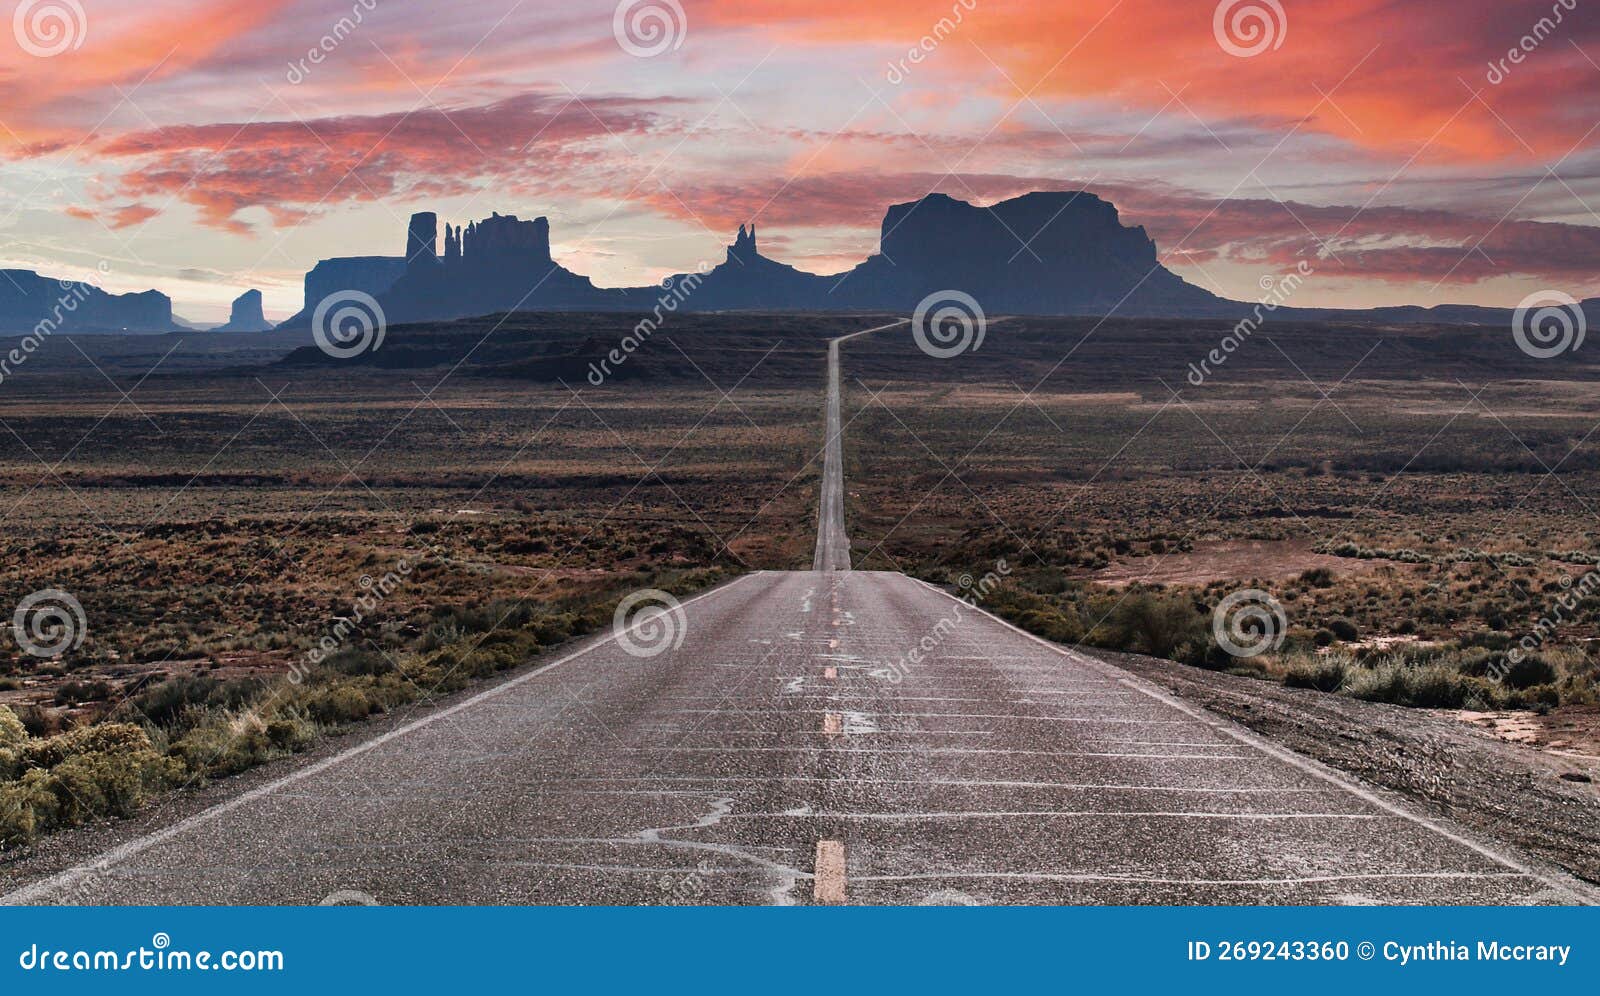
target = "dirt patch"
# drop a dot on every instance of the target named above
(1571, 732)
(1230, 560)
(1382, 643)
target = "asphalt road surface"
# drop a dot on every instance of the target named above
(833, 542)
(816, 737)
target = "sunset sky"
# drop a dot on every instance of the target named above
(193, 146)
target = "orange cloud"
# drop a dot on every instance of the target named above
(292, 168)
(1388, 76)
(122, 217)
(119, 49)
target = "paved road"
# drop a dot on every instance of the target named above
(826, 736)
(833, 542)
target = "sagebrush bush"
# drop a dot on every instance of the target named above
(27, 808)
(1344, 629)
(12, 732)
(1158, 624)
(1325, 673)
(1530, 671)
(1427, 686)
(341, 704)
(73, 778)
(105, 738)
(167, 704)
(93, 786)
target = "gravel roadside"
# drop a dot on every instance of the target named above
(1514, 793)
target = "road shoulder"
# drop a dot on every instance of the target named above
(1441, 765)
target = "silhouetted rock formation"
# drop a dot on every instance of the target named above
(29, 302)
(500, 263)
(1045, 253)
(1064, 253)
(422, 239)
(246, 315)
(1042, 253)
(747, 280)
(743, 249)
(371, 275)
(502, 235)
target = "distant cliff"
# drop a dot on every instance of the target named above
(1043, 253)
(246, 315)
(370, 275)
(1062, 253)
(28, 300)
(501, 263)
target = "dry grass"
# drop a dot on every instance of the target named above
(1411, 524)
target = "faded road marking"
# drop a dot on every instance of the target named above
(828, 883)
